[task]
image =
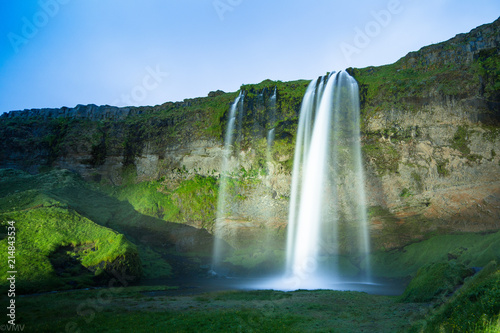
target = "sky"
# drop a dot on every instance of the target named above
(56, 53)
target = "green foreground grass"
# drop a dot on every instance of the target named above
(135, 310)
(470, 305)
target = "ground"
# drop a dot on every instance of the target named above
(173, 309)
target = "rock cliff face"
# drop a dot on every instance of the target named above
(90, 112)
(430, 143)
(462, 49)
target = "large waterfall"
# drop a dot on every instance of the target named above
(327, 214)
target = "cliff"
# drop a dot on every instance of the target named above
(430, 126)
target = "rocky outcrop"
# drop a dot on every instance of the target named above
(459, 50)
(445, 176)
(90, 112)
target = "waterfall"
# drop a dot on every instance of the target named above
(327, 213)
(327, 220)
(272, 120)
(235, 116)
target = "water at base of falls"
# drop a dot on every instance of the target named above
(327, 214)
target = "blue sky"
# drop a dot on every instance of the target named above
(56, 53)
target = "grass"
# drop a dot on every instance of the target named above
(435, 281)
(472, 250)
(132, 309)
(475, 307)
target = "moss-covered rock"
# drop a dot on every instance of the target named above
(475, 307)
(435, 281)
(41, 231)
(472, 250)
(71, 235)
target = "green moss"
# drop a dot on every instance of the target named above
(405, 193)
(196, 200)
(487, 66)
(441, 168)
(64, 200)
(469, 249)
(491, 134)
(385, 157)
(418, 180)
(434, 281)
(153, 264)
(475, 307)
(192, 200)
(147, 198)
(460, 140)
(42, 231)
(397, 86)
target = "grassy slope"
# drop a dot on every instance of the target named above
(44, 224)
(473, 250)
(474, 307)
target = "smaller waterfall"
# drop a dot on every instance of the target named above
(235, 116)
(272, 120)
(239, 117)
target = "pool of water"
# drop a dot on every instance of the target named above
(191, 286)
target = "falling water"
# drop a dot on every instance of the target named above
(272, 120)
(327, 214)
(235, 113)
